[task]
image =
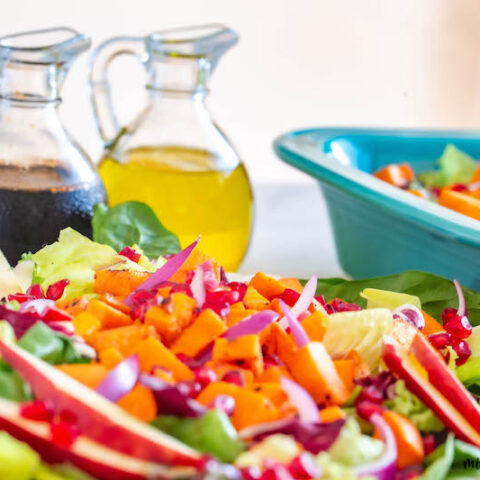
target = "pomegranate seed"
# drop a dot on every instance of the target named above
(459, 187)
(436, 191)
(367, 409)
(440, 340)
(181, 288)
(130, 253)
(321, 300)
(240, 288)
(462, 349)
(55, 315)
(190, 362)
(209, 276)
(304, 467)
(36, 410)
(141, 296)
(341, 306)
(36, 291)
(189, 388)
(204, 376)
(235, 377)
(271, 360)
(168, 256)
(276, 472)
(19, 297)
(290, 297)
(67, 416)
(224, 403)
(55, 291)
(429, 444)
(458, 327)
(64, 434)
(369, 394)
(224, 296)
(329, 309)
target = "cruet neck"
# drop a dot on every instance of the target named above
(182, 59)
(33, 64)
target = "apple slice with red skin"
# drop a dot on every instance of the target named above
(444, 379)
(406, 367)
(97, 460)
(98, 418)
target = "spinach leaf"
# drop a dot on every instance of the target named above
(133, 223)
(435, 292)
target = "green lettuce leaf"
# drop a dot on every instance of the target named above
(17, 460)
(440, 461)
(132, 223)
(454, 166)
(332, 470)
(75, 257)
(41, 341)
(352, 448)
(12, 387)
(434, 292)
(411, 407)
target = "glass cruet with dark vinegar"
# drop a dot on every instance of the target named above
(47, 181)
(173, 156)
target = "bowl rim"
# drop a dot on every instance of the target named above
(300, 149)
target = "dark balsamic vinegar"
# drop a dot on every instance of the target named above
(30, 219)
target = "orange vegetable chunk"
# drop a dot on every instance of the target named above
(152, 353)
(90, 374)
(314, 326)
(254, 300)
(250, 407)
(399, 175)
(85, 324)
(169, 320)
(460, 202)
(346, 371)
(292, 284)
(330, 414)
(431, 324)
(312, 367)
(243, 351)
(408, 439)
(275, 341)
(110, 357)
(109, 317)
(196, 258)
(73, 306)
(140, 403)
(266, 286)
(204, 329)
(119, 283)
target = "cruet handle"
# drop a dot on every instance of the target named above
(100, 91)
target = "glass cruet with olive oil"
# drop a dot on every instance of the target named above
(173, 156)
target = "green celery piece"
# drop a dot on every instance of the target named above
(17, 460)
(212, 433)
(469, 372)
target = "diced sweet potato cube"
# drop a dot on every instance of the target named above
(253, 300)
(118, 282)
(109, 317)
(315, 326)
(266, 286)
(140, 403)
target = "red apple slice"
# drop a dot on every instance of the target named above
(95, 459)
(407, 368)
(444, 379)
(97, 417)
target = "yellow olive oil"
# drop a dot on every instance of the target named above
(189, 194)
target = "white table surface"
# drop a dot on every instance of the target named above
(291, 234)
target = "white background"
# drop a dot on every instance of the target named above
(299, 63)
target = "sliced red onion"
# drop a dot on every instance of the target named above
(306, 297)
(164, 273)
(411, 314)
(298, 332)
(384, 468)
(249, 326)
(198, 287)
(83, 348)
(224, 403)
(209, 277)
(315, 437)
(20, 322)
(461, 311)
(66, 328)
(306, 407)
(172, 399)
(121, 379)
(38, 306)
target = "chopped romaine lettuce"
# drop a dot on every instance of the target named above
(352, 448)
(410, 406)
(76, 258)
(362, 331)
(377, 298)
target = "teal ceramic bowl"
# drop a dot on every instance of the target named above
(380, 229)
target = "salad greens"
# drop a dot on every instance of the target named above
(454, 166)
(434, 292)
(211, 433)
(133, 223)
(411, 407)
